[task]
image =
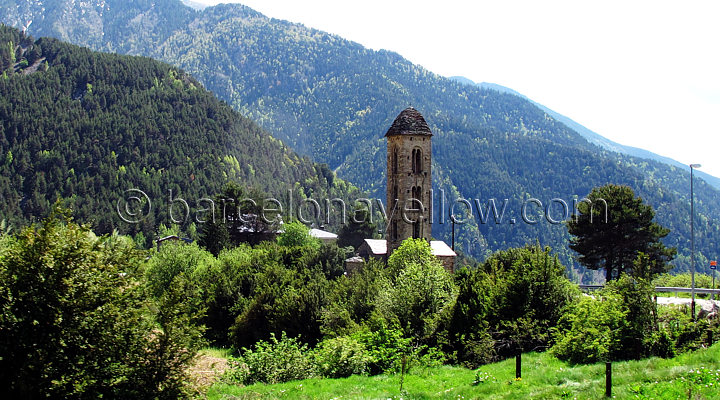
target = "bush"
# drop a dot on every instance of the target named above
(353, 299)
(423, 291)
(509, 304)
(341, 357)
(275, 361)
(296, 234)
(283, 300)
(175, 258)
(589, 331)
(385, 345)
(619, 324)
(226, 286)
(74, 321)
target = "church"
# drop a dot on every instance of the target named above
(409, 184)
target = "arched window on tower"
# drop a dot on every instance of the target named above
(418, 207)
(416, 193)
(395, 161)
(417, 161)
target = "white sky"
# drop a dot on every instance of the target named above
(644, 74)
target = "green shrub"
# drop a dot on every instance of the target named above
(341, 357)
(385, 345)
(508, 304)
(275, 361)
(175, 258)
(283, 300)
(74, 321)
(353, 299)
(423, 290)
(225, 286)
(589, 331)
(296, 234)
(620, 323)
(640, 327)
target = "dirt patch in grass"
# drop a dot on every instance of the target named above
(206, 370)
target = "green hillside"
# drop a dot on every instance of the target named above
(86, 126)
(333, 100)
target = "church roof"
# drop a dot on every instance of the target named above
(409, 122)
(441, 249)
(438, 248)
(377, 246)
(323, 235)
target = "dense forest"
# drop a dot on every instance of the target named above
(332, 100)
(85, 127)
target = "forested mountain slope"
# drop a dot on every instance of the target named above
(594, 137)
(87, 126)
(333, 100)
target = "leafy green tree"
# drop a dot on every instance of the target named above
(423, 290)
(354, 233)
(286, 296)
(411, 251)
(618, 323)
(589, 331)
(297, 234)
(173, 259)
(75, 321)
(353, 299)
(214, 237)
(227, 286)
(610, 232)
(508, 304)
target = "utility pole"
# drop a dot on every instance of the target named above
(692, 240)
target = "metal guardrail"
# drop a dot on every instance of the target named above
(686, 290)
(591, 287)
(716, 292)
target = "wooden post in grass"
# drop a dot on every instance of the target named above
(518, 366)
(710, 337)
(403, 368)
(608, 379)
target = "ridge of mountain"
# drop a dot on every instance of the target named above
(332, 99)
(95, 129)
(591, 136)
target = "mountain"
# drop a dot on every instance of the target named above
(333, 100)
(591, 136)
(87, 126)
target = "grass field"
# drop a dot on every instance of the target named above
(693, 375)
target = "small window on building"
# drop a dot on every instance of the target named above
(417, 161)
(395, 161)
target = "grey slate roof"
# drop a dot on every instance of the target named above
(409, 122)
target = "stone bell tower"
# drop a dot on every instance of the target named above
(408, 179)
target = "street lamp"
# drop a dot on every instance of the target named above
(692, 241)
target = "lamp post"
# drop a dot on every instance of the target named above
(692, 241)
(713, 267)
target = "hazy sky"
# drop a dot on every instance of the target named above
(644, 74)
